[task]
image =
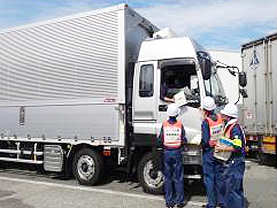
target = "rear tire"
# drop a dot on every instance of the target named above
(151, 179)
(262, 158)
(87, 166)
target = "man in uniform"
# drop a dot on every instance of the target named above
(233, 176)
(172, 139)
(212, 126)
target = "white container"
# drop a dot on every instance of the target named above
(260, 108)
(67, 75)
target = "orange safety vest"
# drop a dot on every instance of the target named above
(227, 131)
(216, 127)
(172, 134)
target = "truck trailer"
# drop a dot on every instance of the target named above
(85, 93)
(260, 107)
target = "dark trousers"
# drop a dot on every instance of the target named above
(213, 180)
(234, 183)
(174, 177)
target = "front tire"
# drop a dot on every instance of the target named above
(151, 179)
(87, 166)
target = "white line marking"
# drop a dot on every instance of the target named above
(91, 189)
(6, 197)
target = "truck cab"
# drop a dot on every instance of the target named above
(165, 67)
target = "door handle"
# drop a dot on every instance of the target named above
(163, 108)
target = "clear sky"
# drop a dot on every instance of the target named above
(216, 24)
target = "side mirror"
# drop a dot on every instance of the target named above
(206, 66)
(242, 79)
(243, 93)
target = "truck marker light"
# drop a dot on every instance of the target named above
(107, 151)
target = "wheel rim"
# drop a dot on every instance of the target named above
(85, 167)
(153, 178)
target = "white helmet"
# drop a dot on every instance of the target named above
(173, 110)
(208, 103)
(230, 110)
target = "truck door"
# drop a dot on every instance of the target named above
(144, 102)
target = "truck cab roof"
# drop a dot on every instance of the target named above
(168, 48)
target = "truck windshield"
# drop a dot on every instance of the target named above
(214, 88)
(213, 85)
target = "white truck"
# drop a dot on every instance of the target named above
(260, 108)
(85, 92)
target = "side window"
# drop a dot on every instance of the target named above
(180, 78)
(146, 81)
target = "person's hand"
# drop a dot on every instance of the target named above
(186, 149)
(219, 147)
(212, 142)
(170, 100)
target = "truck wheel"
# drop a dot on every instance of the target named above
(87, 166)
(261, 158)
(151, 179)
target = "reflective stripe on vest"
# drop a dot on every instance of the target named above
(227, 131)
(227, 134)
(172, 134)
(216, 127)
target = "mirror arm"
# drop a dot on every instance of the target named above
(233, 70)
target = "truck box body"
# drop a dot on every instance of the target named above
(65, 78)
(260, 108)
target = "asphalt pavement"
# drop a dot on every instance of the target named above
(25, 188)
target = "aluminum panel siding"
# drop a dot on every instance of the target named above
(73, 58)
(68, 75)
(80, 121)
